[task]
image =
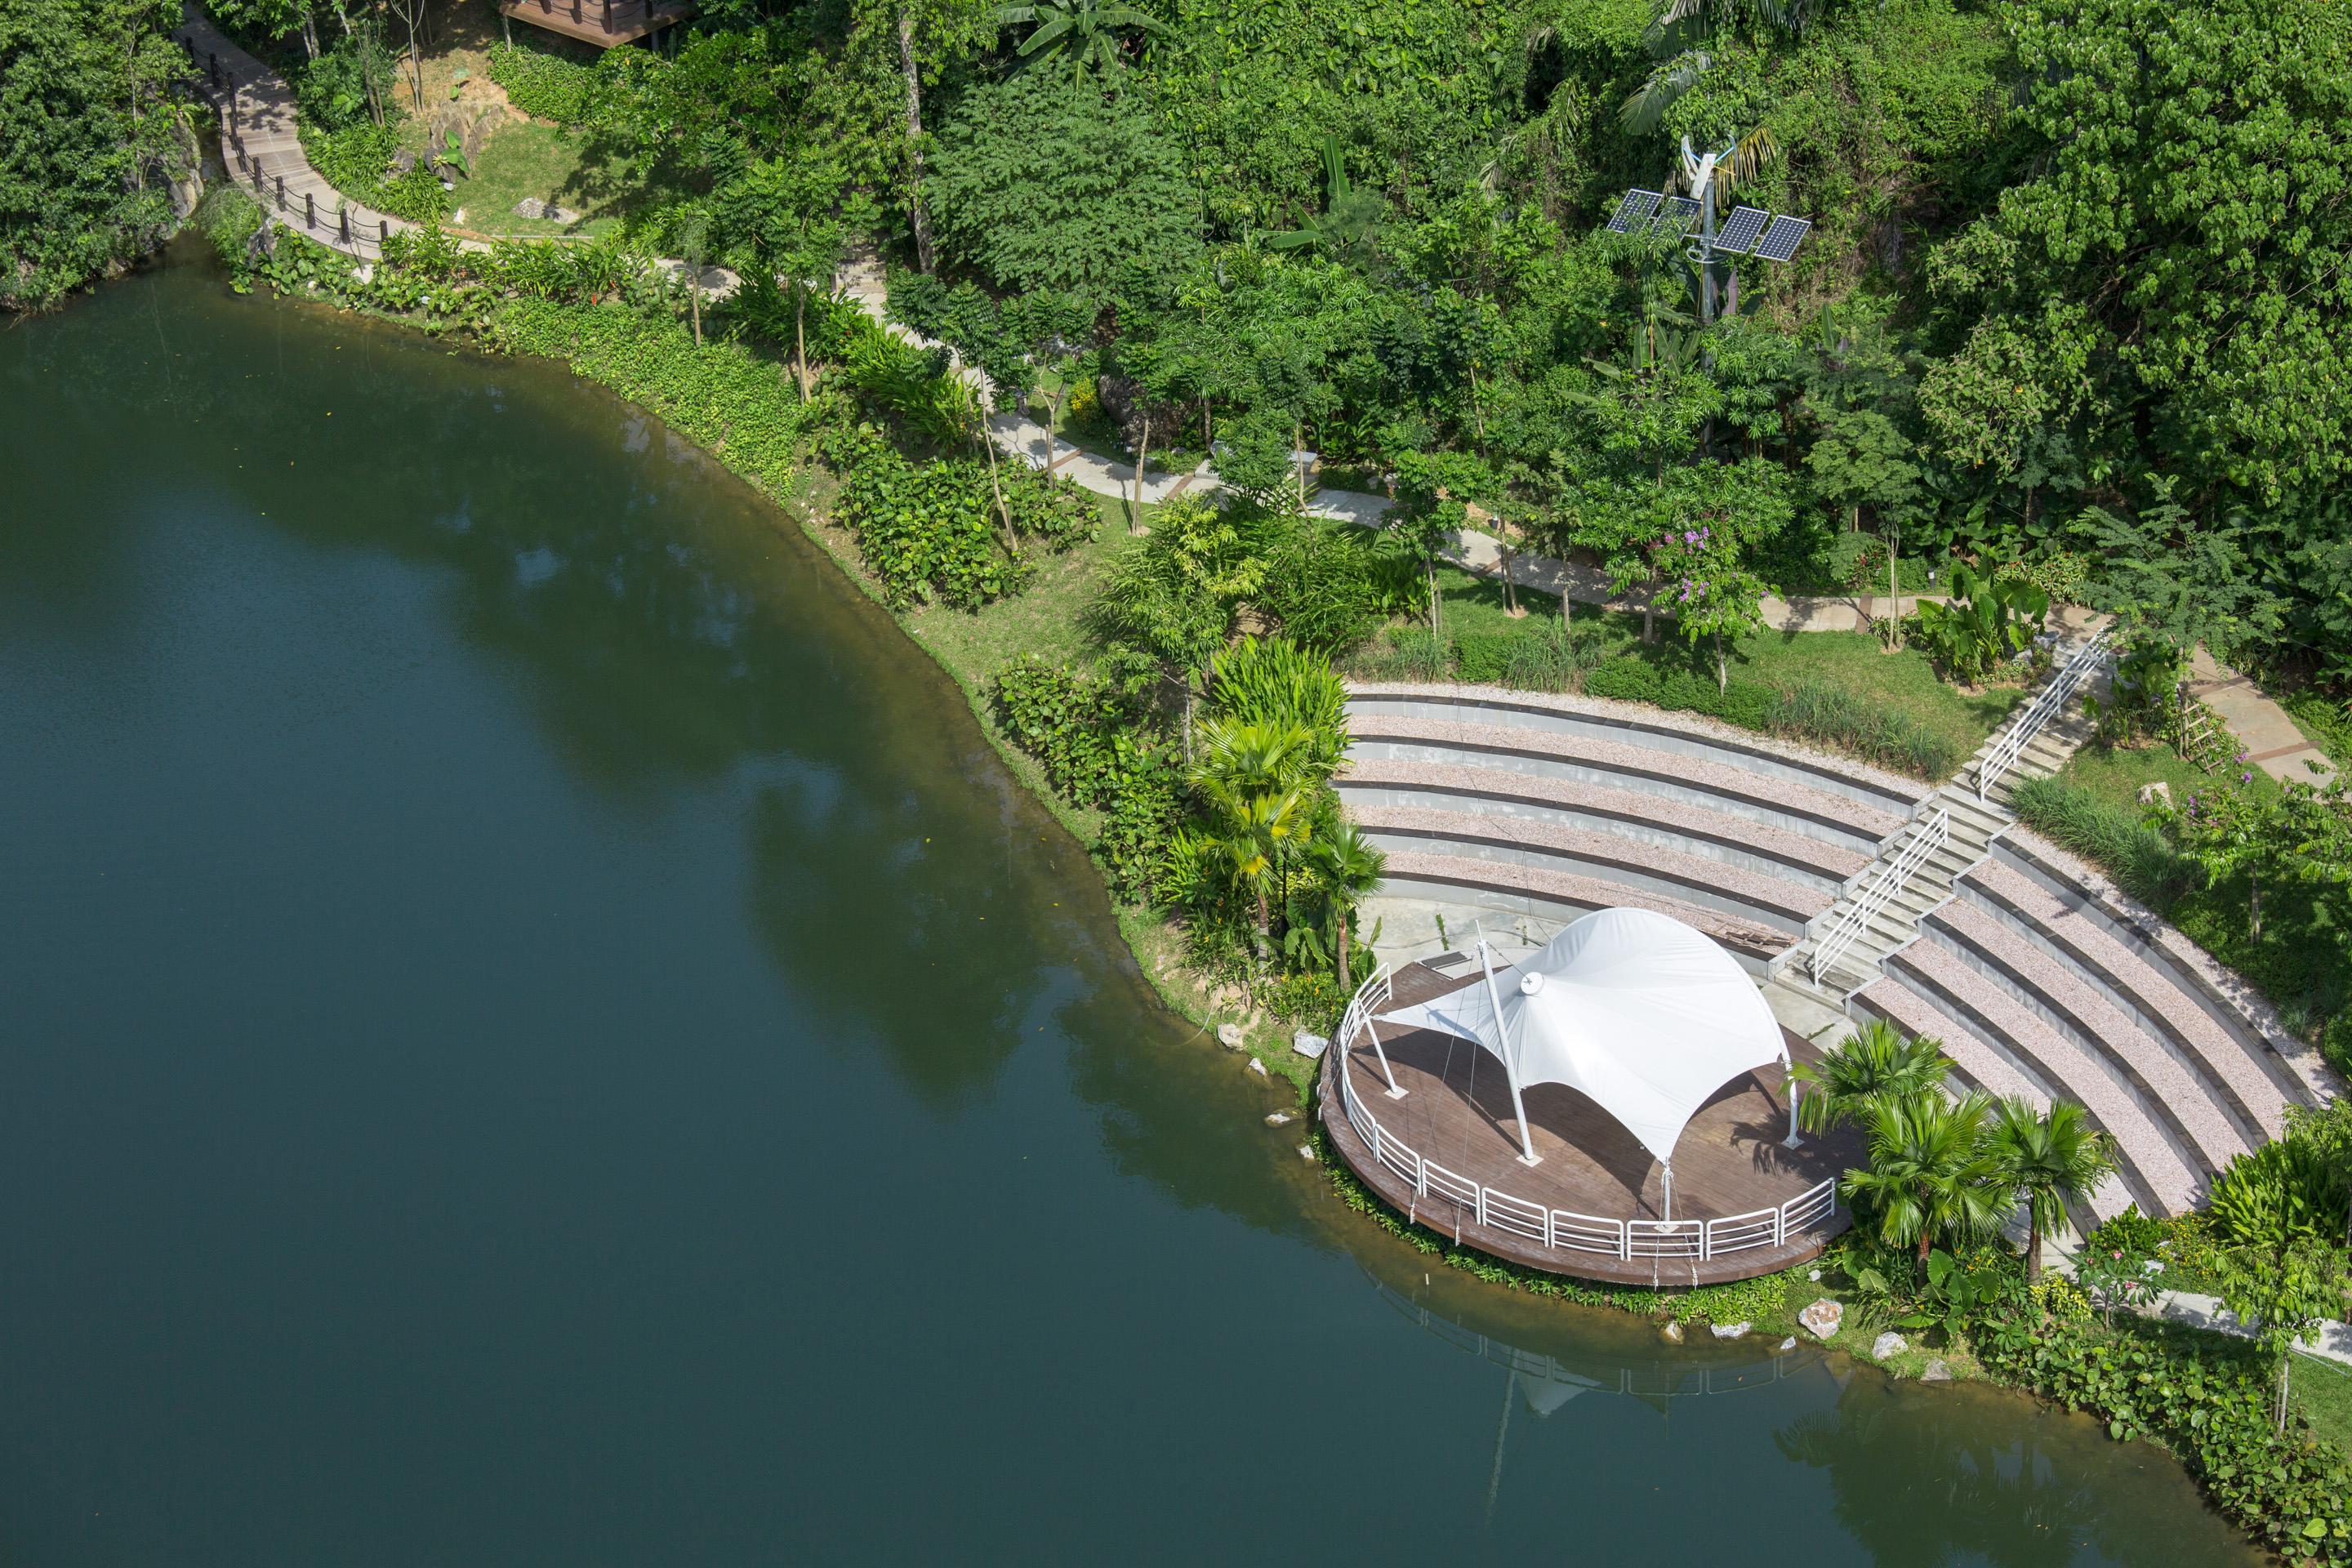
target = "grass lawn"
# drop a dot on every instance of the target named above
(2321, 1391)
(1902, 682)
(2325, 723)
(2116, 774)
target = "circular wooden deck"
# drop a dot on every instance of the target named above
(1456, 1112)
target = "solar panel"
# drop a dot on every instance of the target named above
(1678, 214)
(1780, 241)
(1737, 235)
(1636, 206)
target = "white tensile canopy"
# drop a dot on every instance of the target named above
(1646, 1016)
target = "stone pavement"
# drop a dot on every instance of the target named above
(2271, 740)
(2331, 1342)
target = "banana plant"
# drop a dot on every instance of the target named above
(1350, 218)
(1985, 622)
(1082, 34)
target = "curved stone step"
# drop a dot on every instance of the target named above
(1645, 870)
(2169, 1085)
(1541, 889)
(2168, 1181)
(1544, 753)
(2224, 995)
(1657, 818)
(1600, 719)
(2245, 1074)
(1979, 1065)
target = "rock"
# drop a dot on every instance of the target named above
(1309, 1044)
(2150, 793)
(1886, 1344)
(1230, 1036)
(1280, 1119)
(1306, 1151)
(1815, 1276)
(1257, 1067)
(1730, 1330)
(1937, 1372)
(1789, 1343)
(363, 274)
(1821, 1319)
(402, 161)
(1672, 1333)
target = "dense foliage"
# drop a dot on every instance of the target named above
(90, 140)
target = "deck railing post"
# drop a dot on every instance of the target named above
(382, 232)
(256, 176)
(281, 193)
(310, 209)
(347, 226)
(608, 15)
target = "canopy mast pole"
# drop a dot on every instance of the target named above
(1668, 1214)
(1510, 1067)
(1796, 1088)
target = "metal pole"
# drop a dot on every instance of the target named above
(1796, 1088)
(1510, 1067)
(1706, 245)
(1668, 1215)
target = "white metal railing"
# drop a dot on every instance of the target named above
(2038, 712)
(1561, 1229)
(1926, 839)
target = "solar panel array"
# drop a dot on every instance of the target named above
(1780, 241)
(1679, 214)
(1737, 235)
(1637, 208)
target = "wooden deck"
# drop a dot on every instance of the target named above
(1457, 1112)
(605, 23)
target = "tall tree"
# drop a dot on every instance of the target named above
(2049, 1159)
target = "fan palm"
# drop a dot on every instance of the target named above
(1930, 1171)
(1082, 33)
(1350, 868)
(1874, 1063)
(2049, 1158)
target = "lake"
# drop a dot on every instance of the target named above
(539, 1032)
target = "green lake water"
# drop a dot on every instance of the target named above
(537, 1031)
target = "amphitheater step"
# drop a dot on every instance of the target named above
(1784, 803)
(2239, 1067)
(2174, 1087)
(1635, 813)
(1976, 1065)
(1542, 889)
(2169, 1179)
(1637, 866)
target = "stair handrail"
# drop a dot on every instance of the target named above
(2038, 712)
(1926, 839)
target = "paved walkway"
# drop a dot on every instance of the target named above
(264, 156)
(2271, 739)
(2331, 1342)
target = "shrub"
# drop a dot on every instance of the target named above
(1272, 681)
(1066, 721)
(1835, 717)
(2281, 1191)
(2133, 853)
(1407, 653)
(929, 533)
(544, 86)
(357, 161)
(1482, 657)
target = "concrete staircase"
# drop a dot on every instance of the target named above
(1881, 909)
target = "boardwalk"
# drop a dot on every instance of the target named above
(263, 153)
(1457, 1111)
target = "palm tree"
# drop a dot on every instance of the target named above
(1930, 1173)
(1350, 868)
(1253, 778)
(1874, 1063)
(1677, 29)
(1078, 31)
(2049, 1158)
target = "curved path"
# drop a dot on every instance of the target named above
(264, 154)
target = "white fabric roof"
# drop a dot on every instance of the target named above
(1636, 1009)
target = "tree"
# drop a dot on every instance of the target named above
(1253, 780)
(1352, 869)
(1877, 1062)
(1081, 33)
(786, 218)
(1929, 1172)
(2049, 1158)
(1171, 597)
(2281, 1294)
(916, 40)
(1044, 183)
(89, 141)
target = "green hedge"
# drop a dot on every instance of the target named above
(544, 86)
(2209, 1402)
(357, 161)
